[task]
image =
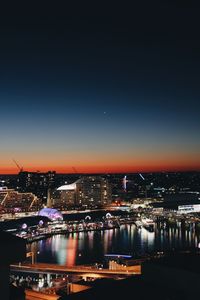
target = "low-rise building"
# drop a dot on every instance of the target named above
(14, 201)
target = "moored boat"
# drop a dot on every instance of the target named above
(148, 224)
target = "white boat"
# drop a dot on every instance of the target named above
(148, 223)
(138, 224)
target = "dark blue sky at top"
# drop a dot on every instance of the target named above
(118, 73)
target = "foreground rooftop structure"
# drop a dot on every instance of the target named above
(9, 255)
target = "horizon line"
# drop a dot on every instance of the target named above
(111, 172)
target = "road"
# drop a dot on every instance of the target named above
(58, 269)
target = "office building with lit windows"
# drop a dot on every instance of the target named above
(88, 191)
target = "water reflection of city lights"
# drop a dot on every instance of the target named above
(79, 247)
(71, 251)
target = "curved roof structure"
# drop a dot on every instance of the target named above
(51, 213)
(67, 187)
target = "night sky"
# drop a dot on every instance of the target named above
(101, 89)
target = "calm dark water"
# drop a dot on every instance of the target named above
(89, 247)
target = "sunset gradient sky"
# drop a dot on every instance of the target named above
(100, 91)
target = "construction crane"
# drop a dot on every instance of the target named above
(18, 166)
(74, 169)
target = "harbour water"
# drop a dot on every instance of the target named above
(90, 247)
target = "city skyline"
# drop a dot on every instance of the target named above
(100, 91)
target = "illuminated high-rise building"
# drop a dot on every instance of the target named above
(92, 191)
(88, 191)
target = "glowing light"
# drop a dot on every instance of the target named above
(141, 176)
(24, 226)
(108, 215)
(124, 181)
(51, 213)
(87, 218)
(118, 255)
(41, 223)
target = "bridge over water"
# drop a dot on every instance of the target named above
(79, 270)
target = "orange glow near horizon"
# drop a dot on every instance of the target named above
(107, 168)
(105, 158)
(103, 162)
